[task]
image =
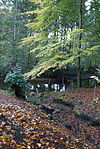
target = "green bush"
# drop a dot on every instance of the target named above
(33, 100)
(16, 81)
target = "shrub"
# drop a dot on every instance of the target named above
(33, 100)
(16, 81)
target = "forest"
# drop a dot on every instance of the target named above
(49, 74)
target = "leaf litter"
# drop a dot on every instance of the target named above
(23, 125)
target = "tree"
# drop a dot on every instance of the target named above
(57, 34)
(55, 49)
(59, 41)
(16, 80)
(12, 30)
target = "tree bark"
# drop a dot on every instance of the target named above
(80, 37)
(14, 34)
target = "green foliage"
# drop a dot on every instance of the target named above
(56, 36)
(51, 56)
(15, 77)
(33, 100)
(12, 30)
(95, 78)
(51, 36)
(17, 82)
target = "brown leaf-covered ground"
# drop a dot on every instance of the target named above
(75, 121)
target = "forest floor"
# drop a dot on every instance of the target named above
(75, 122)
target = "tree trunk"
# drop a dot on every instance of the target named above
(80, 37)
(14, 35)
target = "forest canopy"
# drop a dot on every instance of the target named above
(45, 36)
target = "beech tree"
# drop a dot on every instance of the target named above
(57, 34)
